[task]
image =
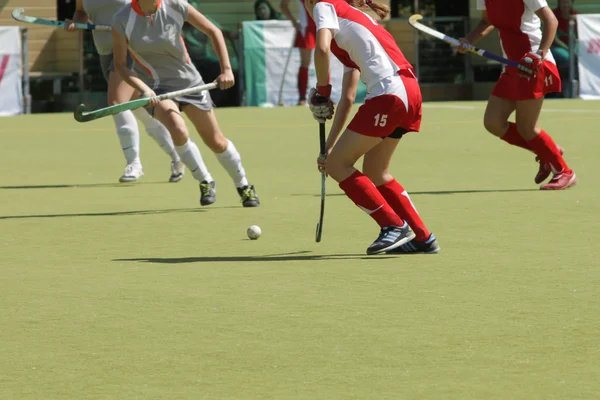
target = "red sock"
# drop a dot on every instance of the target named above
(365, 195)
(302, 82)
(398, 199)
(513, 137)
(545, 148)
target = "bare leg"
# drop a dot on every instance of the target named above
(548, 153)
(496, 115)
(377, 161)
(376, 165)
(168, 113)
(527, 116)
(207, 127)
(362, 191)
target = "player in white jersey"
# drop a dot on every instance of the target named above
(392, 108)
(101, 12)
(151, 31)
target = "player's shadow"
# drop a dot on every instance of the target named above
(84, 185)
(438, 192)
(112, 213)
(297, 256)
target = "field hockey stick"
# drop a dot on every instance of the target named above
(323, 154)
(82, 116)
(285, 68)
(414, 21)
(18, 15)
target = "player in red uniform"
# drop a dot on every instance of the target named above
(392, 108)
(519, 23)
(305, 41)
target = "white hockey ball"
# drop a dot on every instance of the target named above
(254, 232)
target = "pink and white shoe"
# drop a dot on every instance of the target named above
(561, 181)
(545, 168)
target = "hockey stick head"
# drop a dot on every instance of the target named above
(80, 114)
(18, 13)
(415, 18)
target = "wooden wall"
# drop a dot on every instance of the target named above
(404, 34)
(53, 50)
(50, 49)
(229, 13)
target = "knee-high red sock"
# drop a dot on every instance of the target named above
(398, 199)
(513, 137)
(543, 145)
(365, 195)
(302, 82)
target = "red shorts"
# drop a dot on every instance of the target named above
(511, 86)
(380, 116)
(308, 39)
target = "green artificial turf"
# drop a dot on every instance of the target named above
(133, 291)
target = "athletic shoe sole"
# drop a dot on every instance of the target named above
(572, 182)
(399, 243)
(407, 253)
(129, 179)
(175, 178)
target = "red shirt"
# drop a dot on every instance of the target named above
(359, 41)
(518, 25)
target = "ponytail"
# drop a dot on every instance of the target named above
(381, 10)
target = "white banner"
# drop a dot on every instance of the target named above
(267, 45)
(278, 43)
(11, 93)
(588, 30)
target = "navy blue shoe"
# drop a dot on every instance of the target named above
(391, 237)
(430, 246)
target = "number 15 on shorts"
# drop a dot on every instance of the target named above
(381, 120)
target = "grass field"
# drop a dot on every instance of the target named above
(132, 291)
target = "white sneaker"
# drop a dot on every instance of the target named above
(132, 173)
(177, 171)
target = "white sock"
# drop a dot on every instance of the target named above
(231, 160)
(158, 132)
(191, 157)
(129, 137)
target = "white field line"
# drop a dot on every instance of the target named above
(459, 107)
(451, 106)
(568, 110)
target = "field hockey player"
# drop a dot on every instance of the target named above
(101, 12)
(520, 23)
(392, 108)
(151, 31)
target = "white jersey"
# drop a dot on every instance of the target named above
(101, 12)
(303, 17)
(359, 42)
(519, 27)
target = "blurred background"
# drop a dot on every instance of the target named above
(63, 68)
